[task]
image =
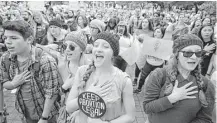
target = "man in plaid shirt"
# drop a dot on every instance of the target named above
(33, 72)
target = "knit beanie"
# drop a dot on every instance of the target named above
(98, 24)
(112, 39)
(55, 22)
(186, 40)
(79, 38)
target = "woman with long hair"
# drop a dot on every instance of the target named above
(145, 27)
(71, 57)
(111, 26)
(102, 78)
(82, 21)
(68, 61)
(41, 26)
(206, 33)
(179, 93)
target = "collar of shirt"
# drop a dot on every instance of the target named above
(190, 78)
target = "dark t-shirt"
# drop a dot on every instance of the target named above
(206, 59)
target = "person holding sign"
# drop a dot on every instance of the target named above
(102, 80)
(179, 93)
(151, 62)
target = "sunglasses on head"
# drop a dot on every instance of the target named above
(71, 47)
(189, 54)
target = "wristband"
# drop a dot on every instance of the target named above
(64, 91)
(44, 118)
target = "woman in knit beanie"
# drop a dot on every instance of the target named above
(178, 93)
(109, 82)
(68, 63)
(71, 57)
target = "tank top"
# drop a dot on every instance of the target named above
(114, 101)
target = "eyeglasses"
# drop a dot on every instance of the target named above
(71, 47)
(188, 54)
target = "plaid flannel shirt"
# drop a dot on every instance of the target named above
(44, 83)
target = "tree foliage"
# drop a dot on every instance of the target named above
(157, 3)
(209, 6)
(89, 3)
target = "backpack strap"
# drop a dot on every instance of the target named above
(7, 63)
(164, 81)
(39, 54)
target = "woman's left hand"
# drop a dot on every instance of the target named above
(91, 120)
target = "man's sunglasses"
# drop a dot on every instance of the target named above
(71, 47)
(188, 54)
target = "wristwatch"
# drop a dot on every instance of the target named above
(44, 118)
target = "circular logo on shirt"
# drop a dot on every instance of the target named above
(91, 104)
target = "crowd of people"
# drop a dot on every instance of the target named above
(52, 56)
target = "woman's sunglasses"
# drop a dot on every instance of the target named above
(188, 54)
(71, 47)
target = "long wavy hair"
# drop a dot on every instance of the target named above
(150, 25)
(172, 73)
(85, 20)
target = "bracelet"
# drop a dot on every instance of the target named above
(44, 118)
